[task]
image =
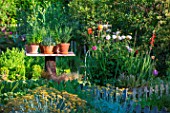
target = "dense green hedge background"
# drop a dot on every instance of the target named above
(135, 17)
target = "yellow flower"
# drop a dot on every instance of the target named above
(59, 96)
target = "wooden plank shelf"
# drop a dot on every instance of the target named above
(41, 54)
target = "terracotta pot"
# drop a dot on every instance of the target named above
(56, 49)
(48, 49)
(64, 47)
(33, 48)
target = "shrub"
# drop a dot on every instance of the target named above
(36, 71)
(13, 60)
(43, 99)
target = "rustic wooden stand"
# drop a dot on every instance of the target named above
(50, 62)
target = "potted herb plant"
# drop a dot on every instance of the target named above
(33, 39)
(48, 43)
(57, 40)
(64, 34)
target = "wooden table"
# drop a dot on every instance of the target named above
(50, 63)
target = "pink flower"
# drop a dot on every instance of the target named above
(155, 72)
(10, 33)
(94, 48)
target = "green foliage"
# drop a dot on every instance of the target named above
(161, 49)
(63, 34)
(8, 15)
(4, 71)
(36, 71)
(14, 61)
(48, 41)
(30, 62)
(10, 90)
(6, 43)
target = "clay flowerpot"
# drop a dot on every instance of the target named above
(56, 49)
(64, 47)
(32, 48)
(48, 49)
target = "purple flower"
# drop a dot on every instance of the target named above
(155, 72)
(10, 33)
(94, 48)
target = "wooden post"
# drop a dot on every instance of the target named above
(151, 91)
(134, 93)
(162, 89)
(154, 110)
(138, 109)
(140, 92)
(50, 66)
(146, 109)
(146, 92)
(156, 89)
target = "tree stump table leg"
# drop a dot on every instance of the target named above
(50, 66)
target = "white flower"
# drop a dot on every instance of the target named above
(129, 37)
(105, 26)
(114, 33)
(108, 37)
(123, 37)
(114, 36)
(108, 30)
(99, 41)
(118, 32)
(119, 37)
(129, 49)
(103, 36)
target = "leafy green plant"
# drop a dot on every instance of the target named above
(161, 48)
(6, 43)
(14, 61)
(29, 62)
(36, 71)
(64, 33)
(10, 90)
(48, 41)
(7, 16)
(36, 36)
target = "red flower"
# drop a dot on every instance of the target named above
(136, 52)
(152, 39)
(90, 31)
